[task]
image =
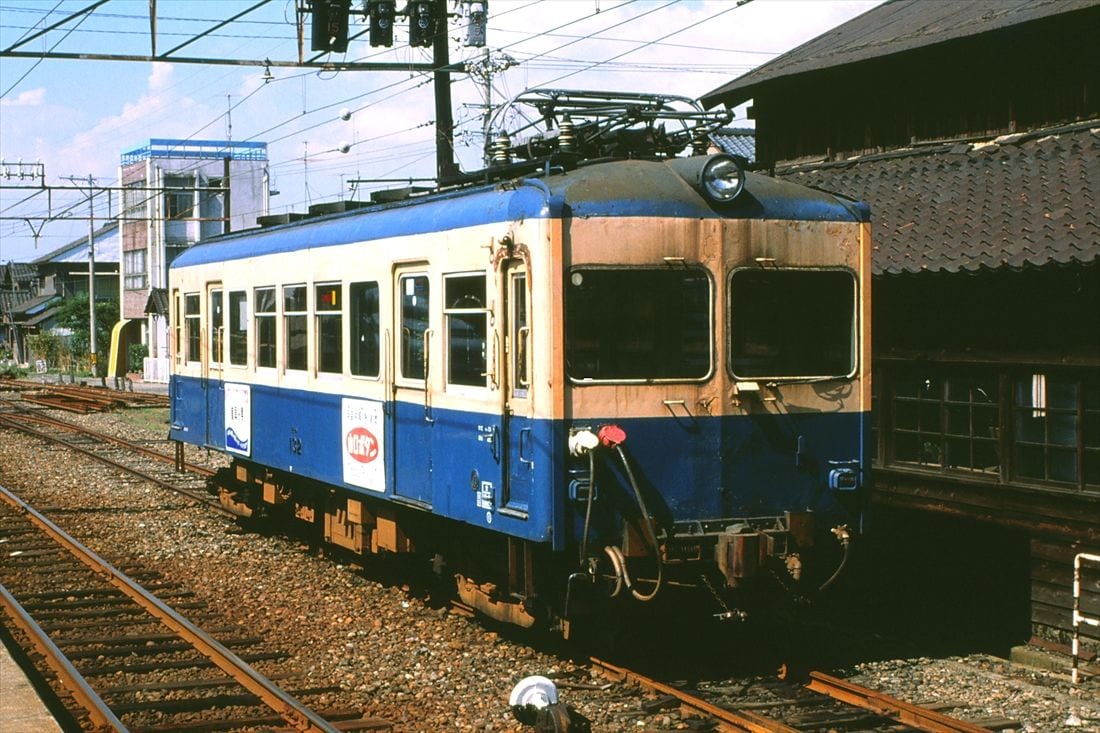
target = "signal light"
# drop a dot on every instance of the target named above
(381, 13)
(421, 23)
(330, 25)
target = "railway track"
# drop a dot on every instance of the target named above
(127, 660)
(135, 458)
(825, 704)
(81, 399)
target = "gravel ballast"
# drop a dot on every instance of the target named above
(397, 657)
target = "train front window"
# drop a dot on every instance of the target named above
(638, 324)
(792, 323)
(294, 326)
(193, 328)
(265, 327)
(330, 327)
(467, 324)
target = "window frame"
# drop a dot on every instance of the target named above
(238, 331)
(406, 340)
(1008, 406)
(451, 314)
(731, 320)
(263, 320)
(696, 269)
(322, 327)
(355, 333)
(192, 327)
(288, 333)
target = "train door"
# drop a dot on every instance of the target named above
(411, 357)
(213, 356)
(519, 463)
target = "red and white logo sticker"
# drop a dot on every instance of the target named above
(361, 445)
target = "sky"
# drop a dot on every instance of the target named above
(77, 116)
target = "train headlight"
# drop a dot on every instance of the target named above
(723, 178)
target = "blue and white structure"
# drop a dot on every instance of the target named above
(615, 379)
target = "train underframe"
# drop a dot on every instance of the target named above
(719, 568)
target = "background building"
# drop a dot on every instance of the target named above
(31, 292)
(973, 131)
(179, 192)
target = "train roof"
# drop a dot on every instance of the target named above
(626, 188)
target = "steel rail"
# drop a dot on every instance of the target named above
(728, 720)
(107, 438)
(99, 712)
(8, 422)
(290, 709)
(907, 713)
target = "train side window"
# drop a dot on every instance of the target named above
(329, 305)
(467, 322)
(792, 323)
(191, 318)
(415, 297)
(294, 327)
(365, 340)
(635, 324)
(521, 334)
(264, 299)
(238, 327)
(216, 314)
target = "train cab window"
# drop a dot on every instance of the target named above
(329, 305)
(264, 305)
(193, 326)
(638, 324)
(238, 327)
(294, 327)
(216, 330)
(365, 348)
(467, 322)
(414, 324)
(792, 323)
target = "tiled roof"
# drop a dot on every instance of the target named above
(739, 141)
(890, 28)
(157, 302)
(1021, 200)
(17, 274)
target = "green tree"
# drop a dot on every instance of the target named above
(73, 314)
(51, 347)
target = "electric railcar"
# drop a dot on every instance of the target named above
(598, 382)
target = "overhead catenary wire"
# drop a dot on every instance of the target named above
(545, 60)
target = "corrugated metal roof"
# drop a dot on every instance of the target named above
(893, 27)
(107, 246)
(1017, 201)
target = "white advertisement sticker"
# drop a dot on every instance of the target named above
(238, 419)
(364, 451)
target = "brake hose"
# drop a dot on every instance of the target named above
(845, 542)
(649, 530)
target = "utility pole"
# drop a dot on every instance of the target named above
(445, 166)
(483, 71)
(91, 270)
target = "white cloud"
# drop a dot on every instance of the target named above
(29, 98)
(160, 77)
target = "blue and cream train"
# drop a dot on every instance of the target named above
(608, 382)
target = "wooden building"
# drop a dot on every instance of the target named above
(972, 129)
